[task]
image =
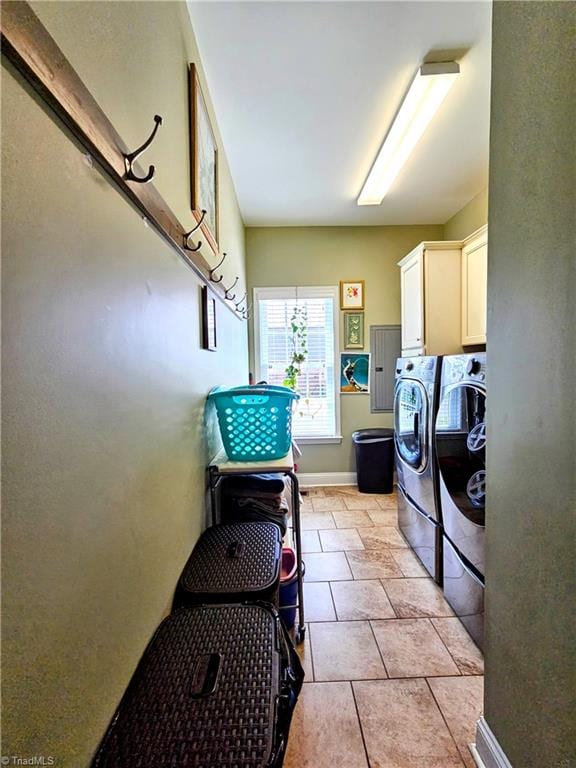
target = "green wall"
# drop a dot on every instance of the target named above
(278, 256)
(530, 691)
(468, 219)
(103, 438)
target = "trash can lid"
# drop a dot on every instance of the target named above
(374, 435)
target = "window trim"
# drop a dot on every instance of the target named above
(303, 292)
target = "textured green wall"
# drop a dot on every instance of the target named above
(277, 256)
(104, 445)
(470, 218)
(531, 469)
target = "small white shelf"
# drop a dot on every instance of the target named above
(226, 467)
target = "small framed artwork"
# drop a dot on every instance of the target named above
(351, 294)
(353, 330)
(208, 319)
(204, 163)
(355, 373)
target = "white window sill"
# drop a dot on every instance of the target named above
(317, 440)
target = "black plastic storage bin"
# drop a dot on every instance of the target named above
(232, 563)
(374, 460)
(216, 687)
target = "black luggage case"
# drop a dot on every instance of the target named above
(230, 563)
(216, 687)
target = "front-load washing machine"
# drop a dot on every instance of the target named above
(415, 402)
(460, 438)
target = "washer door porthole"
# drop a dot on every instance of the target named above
(460, 437)
(411, 423)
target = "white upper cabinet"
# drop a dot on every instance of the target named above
(431, 299)
(474, 287)
(412, 273)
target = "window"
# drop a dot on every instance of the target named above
(318, 414)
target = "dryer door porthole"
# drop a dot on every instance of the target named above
(461, 448)
(411, 423)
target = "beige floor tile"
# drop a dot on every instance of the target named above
(388, 502)
(403, 727)
(345, 650)
(409, 563)
(340, 490)
(415, 598)
(383, 536)
(313, 520)
(318, 605)
(327, 503)
(412, 648)
(325, 732)
(461, 702)
(361, 600)
(361, 502)
(464, 651)
(305, 653)
(357, 518)
(384, 517)
(373, 564)
(310, 541)
(340, 540)
(327, 566)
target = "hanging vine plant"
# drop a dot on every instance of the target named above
(299, 342)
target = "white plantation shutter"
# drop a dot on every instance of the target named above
(316, 415)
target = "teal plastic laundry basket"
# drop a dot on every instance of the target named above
(255, 422)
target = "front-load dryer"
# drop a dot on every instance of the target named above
(415, 403)
(460, 438)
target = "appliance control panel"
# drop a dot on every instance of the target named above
(421, 368)
(470, 367)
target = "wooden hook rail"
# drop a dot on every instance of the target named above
(32, 51)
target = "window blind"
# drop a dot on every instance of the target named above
(316, 412)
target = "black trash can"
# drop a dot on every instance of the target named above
(374, 460)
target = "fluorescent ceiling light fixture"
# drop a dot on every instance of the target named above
(427, 92)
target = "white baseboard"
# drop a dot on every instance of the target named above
(487, 752)
(311, 479)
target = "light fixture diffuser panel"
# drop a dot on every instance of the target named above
(427, 91)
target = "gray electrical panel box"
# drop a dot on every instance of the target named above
(385, 348)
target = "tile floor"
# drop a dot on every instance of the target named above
(392, 678)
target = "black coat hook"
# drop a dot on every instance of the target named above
(198, 224)
(132, 156)
(227, 290)
(246, 312)
(187, 235)
(237, 303)
(213, 271)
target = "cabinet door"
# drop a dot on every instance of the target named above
(474, 290)
(412, 290)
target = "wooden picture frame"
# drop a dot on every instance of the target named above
(351, 294)
(203, 162)
(208, 320)
(353, 330)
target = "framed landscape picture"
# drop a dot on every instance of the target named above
(354, 373)
(353, 330)
(351, 294)
(204, 162)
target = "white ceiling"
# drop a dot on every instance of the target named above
(304, 93)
